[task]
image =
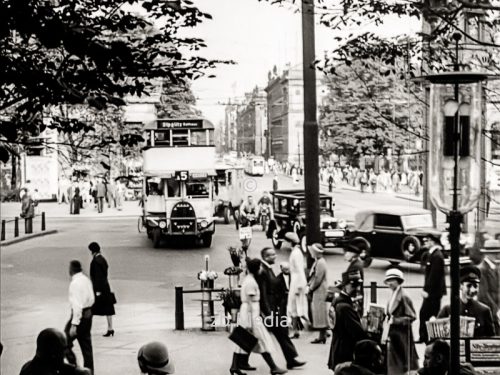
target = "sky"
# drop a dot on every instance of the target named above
(258, 36)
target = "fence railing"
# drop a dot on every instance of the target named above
(28, 225)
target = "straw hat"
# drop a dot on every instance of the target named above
(491, 246)
(292, 237)
(316, 249)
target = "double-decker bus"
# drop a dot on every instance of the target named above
(254, 166)
(179, 176)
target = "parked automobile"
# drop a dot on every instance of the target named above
(396, 235)
(289, 208)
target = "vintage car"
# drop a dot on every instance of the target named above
(396, 235)
(289, 208)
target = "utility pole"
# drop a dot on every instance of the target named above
(311, 131)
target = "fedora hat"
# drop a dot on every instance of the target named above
(394, 273)
(316, 249)
(292, 237)
(491, 246)
(153, 357)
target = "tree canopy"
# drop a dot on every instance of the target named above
(91, 52)
(368, 109)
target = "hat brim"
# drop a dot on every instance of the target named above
(400, 279)
(169, 368)
(315, 250)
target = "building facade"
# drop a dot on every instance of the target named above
(285, 120)
(251, 122)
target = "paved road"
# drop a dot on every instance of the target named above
(34, 281)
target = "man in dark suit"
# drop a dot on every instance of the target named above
(434, 283)
(347, 329)
(351, 256)
(470, 276)
(274, 319)
(283, 286)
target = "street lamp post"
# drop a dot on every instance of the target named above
(454, 166)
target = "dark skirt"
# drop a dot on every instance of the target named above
(104, 304)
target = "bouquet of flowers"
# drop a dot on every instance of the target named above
(232, 271)
(207, 275)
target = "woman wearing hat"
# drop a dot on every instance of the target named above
(104, 298)
(401, 353)
(318, 288)
(297, 306)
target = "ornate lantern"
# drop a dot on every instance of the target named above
(455, 140)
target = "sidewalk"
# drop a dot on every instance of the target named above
(8, 210)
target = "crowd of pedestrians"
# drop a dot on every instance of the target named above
(306, 300)
(91, 193)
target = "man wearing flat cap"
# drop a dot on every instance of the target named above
(470, 276)
(434, 283)
(489, 293)
(347, 329)
(351, 256)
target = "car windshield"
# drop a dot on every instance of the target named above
(417, 221)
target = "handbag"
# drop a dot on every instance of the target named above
(243, 338)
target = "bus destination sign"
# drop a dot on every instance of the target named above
(180, 124)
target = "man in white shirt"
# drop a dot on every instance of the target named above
(81, 299)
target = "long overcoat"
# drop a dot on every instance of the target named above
(346, 333)
(401, 353)
(297, 299)
(104, 302)
(318, 286)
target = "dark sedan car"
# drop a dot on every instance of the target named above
(394, 235)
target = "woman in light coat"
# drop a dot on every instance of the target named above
(297, 307)
(318, 287)
(402, 356)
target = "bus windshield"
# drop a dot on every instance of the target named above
(197, 189)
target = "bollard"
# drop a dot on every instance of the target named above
(373, 292)
(179, 308)
(43, 221)
(28, 225)
(16, 227)
(2, 235)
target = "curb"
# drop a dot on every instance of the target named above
(27, 237)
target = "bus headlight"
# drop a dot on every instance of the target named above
(203, 223)
(162, 224)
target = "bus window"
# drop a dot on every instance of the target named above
(211, 138)
(153, 186)
(173, 188)
(180, 138)
(221, 178)
(197, 189)
(229, 178)
(162, 138)
(198, 138)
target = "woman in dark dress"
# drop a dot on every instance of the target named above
(77, 202)
(104, 298)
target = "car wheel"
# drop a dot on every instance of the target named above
(226, 215)
(206, 240)
(410, 246)
(275, 240)
(364, 245)
(156, 237)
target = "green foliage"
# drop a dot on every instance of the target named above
(367, 110)
(91, 52)
(177, 101)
